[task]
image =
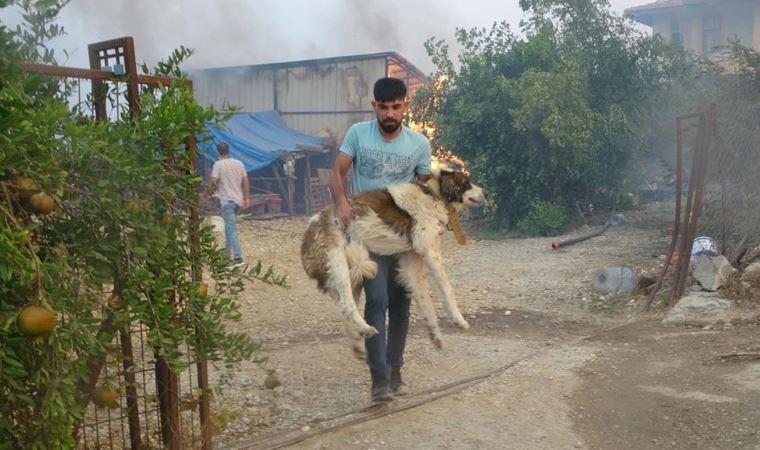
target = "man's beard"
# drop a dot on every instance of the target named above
(390, 126)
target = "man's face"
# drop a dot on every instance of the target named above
(389, 114)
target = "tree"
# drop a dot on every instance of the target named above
(550, 117)
(96, 238)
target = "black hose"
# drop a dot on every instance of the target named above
(556, 245)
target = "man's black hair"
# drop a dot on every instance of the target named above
(222, 148)
(389, 89)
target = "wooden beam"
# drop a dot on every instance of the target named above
(285, 192)
(307, 186)
(100, 75)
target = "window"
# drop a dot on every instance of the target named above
(676, 38)
(710, 33)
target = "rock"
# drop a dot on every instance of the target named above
(698, 307)
(751, 275)
(305, 428)
(614, 280)
(712, 272)
(271, 381)
(752, 254)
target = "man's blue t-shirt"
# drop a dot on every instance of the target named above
(378, 162)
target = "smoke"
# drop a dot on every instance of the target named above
(245, 32)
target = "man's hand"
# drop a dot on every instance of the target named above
(246, 203)
(344, 211)
(342, 205)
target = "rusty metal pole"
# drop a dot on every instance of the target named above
(698, 179)
(677, 220)
(133, 413)
(204, 400)
(685, 244)
(167, 390)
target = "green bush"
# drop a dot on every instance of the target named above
(109, 244)
(543, 219)
(558, 111)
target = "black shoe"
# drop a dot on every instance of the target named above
(398, 387)
(381, 389)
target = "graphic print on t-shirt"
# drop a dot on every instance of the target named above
(373, 164)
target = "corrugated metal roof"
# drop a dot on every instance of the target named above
(307, 62)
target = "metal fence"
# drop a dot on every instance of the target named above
(717, 192)
(732, 191)
(157, 408)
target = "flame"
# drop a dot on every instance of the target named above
(441, 158)
(447, 160)
(427, 130)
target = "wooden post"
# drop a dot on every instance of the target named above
(291, 188)
(288, 192)
(99, 90)
(130, 65)
(307, 187)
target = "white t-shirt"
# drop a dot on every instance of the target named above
(229, 173)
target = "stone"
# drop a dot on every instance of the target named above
(699, 307)
(712, 272)
(751, 275)
(271, 381)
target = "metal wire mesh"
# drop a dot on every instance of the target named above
(155, 408)
(731, 213)
(108, 428)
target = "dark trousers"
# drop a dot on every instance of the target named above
(384, 293)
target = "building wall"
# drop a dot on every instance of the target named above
(738, 19)
(314, 98)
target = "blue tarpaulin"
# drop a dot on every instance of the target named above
(256, 139)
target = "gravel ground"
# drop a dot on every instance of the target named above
(520, 279)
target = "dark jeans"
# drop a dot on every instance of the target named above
(384, 293)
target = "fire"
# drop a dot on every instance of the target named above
(427, 130)
(447, 160)
(441, 158)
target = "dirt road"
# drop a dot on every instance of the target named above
(547, 363)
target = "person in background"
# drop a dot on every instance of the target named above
(229, 182)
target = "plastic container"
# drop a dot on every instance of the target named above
(614, 280)
(704, 246)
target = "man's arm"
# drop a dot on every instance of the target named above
(422, 168)
(337, 190)
(213, 180)
(246, 192)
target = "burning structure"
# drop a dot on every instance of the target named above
(318, 97)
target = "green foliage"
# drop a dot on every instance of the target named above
(543, 219)
(553, 116)
(123, 226)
